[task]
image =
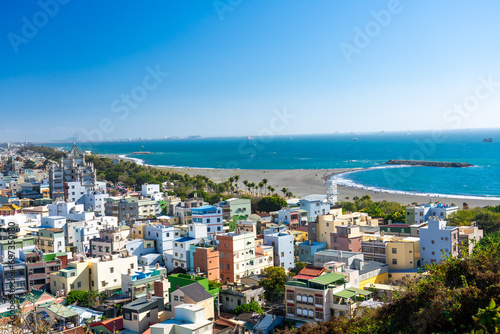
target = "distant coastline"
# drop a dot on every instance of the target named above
(303, 182)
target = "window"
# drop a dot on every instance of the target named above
(289, 296)
(90, 271)
(432, 241)
(176, 298)
(72, 286)
(318, 301)
(112, 270)
(79, 284)
(290, 310)
(135, 316)
(394, 261)
(131, 266)
(182, 298)
(433, 253)
(394, 251)
(227, 266)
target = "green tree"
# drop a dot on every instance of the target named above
(273, 283)
(271, 203)
(253, 306)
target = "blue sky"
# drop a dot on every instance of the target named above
(233, 66)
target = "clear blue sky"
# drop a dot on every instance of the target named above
(228, 76)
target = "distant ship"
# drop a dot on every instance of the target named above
(250, 138)
(355, 139)
(408, 133)
(487, 140)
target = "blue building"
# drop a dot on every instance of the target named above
(210, 215)
(282, 242)
(314, 205)
(307, 249)
(162, 235)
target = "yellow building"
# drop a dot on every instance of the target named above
(106, 272)
(74, 277)
(327, 224)
(403, 253)
(403, 258)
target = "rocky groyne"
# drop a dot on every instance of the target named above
(445, 164)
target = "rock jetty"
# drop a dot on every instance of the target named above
(444, 164)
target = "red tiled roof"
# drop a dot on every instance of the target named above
(312, 271)
(118, 324)
(306, 277)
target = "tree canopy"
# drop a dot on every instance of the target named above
(271, 203)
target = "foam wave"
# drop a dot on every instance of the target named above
(345, 182)
(136, 160)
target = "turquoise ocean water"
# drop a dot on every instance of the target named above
(340, 151)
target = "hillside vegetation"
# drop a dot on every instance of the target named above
(458, 295)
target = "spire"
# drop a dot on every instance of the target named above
(75, 152)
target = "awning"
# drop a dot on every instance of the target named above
(345, 294)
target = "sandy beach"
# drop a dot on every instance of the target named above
(303, 182)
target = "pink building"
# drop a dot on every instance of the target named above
(347, 238)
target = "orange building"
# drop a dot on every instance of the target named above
(207, 259)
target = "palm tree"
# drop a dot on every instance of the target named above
(245, 182)
(236, 178)
(261, 185)
(252, 185)
(284, 191)
(264, 181)
(271, 189)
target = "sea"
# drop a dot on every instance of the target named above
(365, 152)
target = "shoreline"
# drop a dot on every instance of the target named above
(303, 182)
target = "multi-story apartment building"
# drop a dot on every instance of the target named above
(70, 169)
(71, 211)
(403, 253)
(74, 277)
(162, 235)
(374, 247)
(264, 258)
(437, 238)
(315, 205)
(14, 278)
(282, 242)
(137, 283)
(211, 216)
(182, 256)
(110, 242)
(206, 261)
(138, 314)
(40, 266)
(80, 233)
(321, 229)
(51, 240)
(417, 214)
(468, 236)
(237, 255)
(347, 238)
(235, 207)
(183, 209)
(105, 272)
(95, 201)
(78, 189)
(323, 297)
(125, 209)
(148, 208)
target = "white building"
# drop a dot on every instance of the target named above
(189, 319)
(437, 238)
(72, 211)
(149, 190)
